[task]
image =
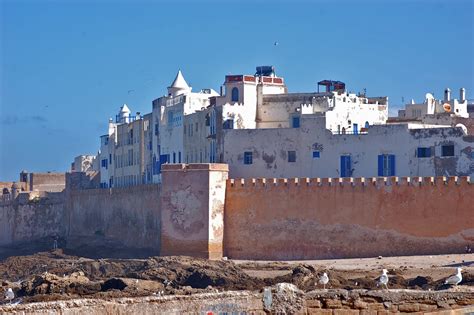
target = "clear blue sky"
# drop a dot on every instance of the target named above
(67, 66)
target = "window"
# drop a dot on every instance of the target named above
(156, 129)
(196, 127)
(174, 157)
(110, 159)
(316, 154)
(423, 152)
(346, 166)
(296, 122)
(447, 150)
(343, 130)
(104, 163)
(367, 125)
(235, 95)
(228, 124)
(170, 118)
(179, 157)
(386, 165)
(291, 156)
(248, 158)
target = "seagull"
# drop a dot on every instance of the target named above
(456, 279)
(275, 43)
(9, 295)
(324, 279)
(383, 280)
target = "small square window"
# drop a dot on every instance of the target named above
(316, 154)
(248, 158)
(447, 150)
(423, 152)
(291, 156)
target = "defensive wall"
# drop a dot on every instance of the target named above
(198, 211)
(119, 222)
(304, 218)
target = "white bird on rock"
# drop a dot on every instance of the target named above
(324, 279)
(383, 280)
(9, 295)
(455, 279)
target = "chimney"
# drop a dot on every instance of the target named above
(462, 95)
(447, 95)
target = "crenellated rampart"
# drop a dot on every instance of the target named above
(303, 218)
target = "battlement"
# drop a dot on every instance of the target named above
(351, 181)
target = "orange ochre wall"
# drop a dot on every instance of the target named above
(331, 218)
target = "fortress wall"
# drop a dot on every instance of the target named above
(331, 218)
(31, 222)
(122, 218)
(47, 181)
(192, 213)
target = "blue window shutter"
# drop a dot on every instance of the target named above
(343, 166)
(348, 166)
(391, 162)
(380, 172)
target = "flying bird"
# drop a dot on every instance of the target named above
(324, 279)
(9, 295)
(275, 44)
(455, 279)
(383, 280)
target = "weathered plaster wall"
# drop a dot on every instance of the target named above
(314, 219)
(54, 182)
(270, 151)
(193, 198)
(120, 217)
(24, 220)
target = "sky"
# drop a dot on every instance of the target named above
(66, 67)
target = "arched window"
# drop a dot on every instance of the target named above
(366, 125)
(235, 95)
(343, 130)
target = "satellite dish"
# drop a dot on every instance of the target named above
(447, 107)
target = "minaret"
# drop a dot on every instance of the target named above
(179, 85)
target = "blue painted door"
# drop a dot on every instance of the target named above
(355, 128)
(346, 166)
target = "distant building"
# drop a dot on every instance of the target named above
(85, 163)
(125, 152)
(449, 107)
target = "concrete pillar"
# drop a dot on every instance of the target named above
(192, 209)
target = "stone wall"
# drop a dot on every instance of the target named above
(193, 209)
(333, 218)
(285, 299)
(30, 224)
(122, 221)
(47, 181)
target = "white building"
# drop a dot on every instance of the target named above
(125, 155)
(311, 150)
(169, 123)
(261, 130)
(449, 107)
